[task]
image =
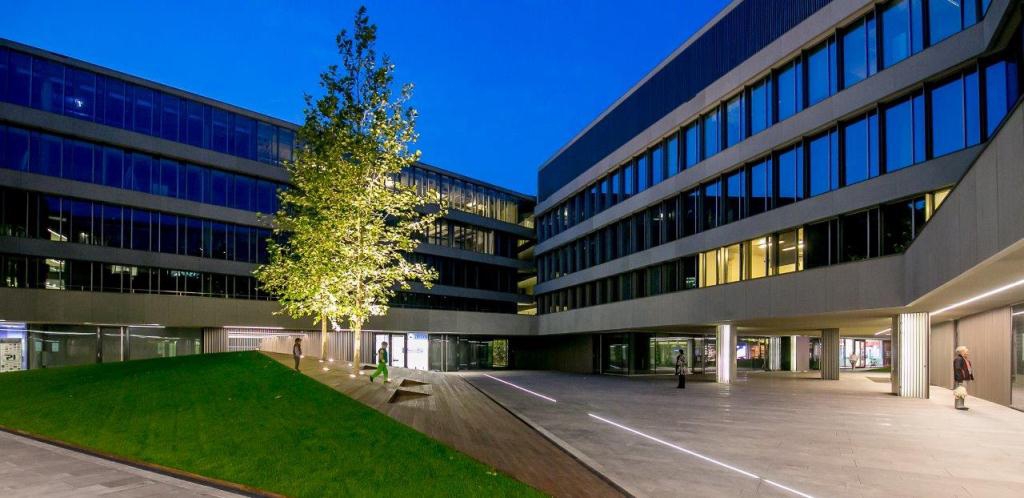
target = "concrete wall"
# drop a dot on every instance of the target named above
(48, 306)
(989, 337)
(940, 354)
(566, 353)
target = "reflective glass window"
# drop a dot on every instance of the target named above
(1000, 92)
(168, 233)
(712, 195)
(760, 187)
(19, 78)
(691, 212)
(657, 164)
(114, 99)
(760, 106)
(111, 171)
(47, 85)
(823, 165)
(266, 142)
(140, 236)
(821, 72)
(80, 94)
(711, 127)
(142, 109)
(948, 132)
(166, 183)
(943, 19)
(735, 192)
(790, 174)
(195, 124)
(219, 130)
(691, 137)
(788, 90)
(16, 149)
(78, 159)
(859, 53)
(112, 219)
(734, 127)
(139, 172)
(642, 173)
(170, 111)
(672, 155)
(45, 157)
(860, 149)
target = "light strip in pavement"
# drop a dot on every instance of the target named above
(698, 455)
(521, 388)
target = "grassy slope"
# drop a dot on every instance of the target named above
(244, 418)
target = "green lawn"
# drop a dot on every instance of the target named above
(245, 418)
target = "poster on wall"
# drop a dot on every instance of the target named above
(10, 355)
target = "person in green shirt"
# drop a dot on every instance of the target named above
(382, 362)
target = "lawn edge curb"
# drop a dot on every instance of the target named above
(575, 454)
(148, 466)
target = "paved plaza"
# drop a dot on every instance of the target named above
(29, 468)
(771, 434)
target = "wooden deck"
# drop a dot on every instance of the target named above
(447, 408)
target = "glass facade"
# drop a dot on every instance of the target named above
(467, 196)
(54, 156)
(859, 51)
(59, 88)
(880, 230)
(62, 219)
(857, 149)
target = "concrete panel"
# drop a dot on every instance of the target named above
(988, 336)
(48, 306)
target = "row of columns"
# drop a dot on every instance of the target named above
(909, 354)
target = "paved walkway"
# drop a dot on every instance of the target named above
(30, 468)
(452, 411)
(775, 434)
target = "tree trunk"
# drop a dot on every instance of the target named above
(357, 341)
(323, 337)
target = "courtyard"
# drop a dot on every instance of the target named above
(771, 434)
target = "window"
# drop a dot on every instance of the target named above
(757, 253)
(691, 136)
(266, 142)
(643, 171)
(140, 239)
(821, 72)
(901, 222)
(790, 176)
(170, 109)
(860, 149)
(629, 181)
(948, 133)
(657, 164)
(709, 268)
(859, 52)
(857, 237)
(691, 212)
(142, 109)
(112, 221)
(45, 157)
(138, 172)
(943, 19)
(760, 187)
(734, 128)
(80, 91)
(671, 155)
(760, 105)
(711, 126)
(711, 205)
(902, 31)
(47, 85)
(111, 172)
(790, 251)
(731, 264)
(788, 90)
(78, 157)
(114, 99)
(735, 193)
(1000, 92)
(904, 133)
(819, 244)
(19, 80)
(195, 124)
(823, 161)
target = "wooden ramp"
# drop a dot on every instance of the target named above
(447, 408)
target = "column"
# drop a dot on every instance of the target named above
(725, 345)
(910, 354)
(794, 361)
(774, 354)
(830, 354)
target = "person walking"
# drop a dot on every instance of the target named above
(681, 369)
(962, 372)
(854, 358)
(382, 363)
(297, 352)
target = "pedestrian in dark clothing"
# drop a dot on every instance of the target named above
(681, 370)
(962, 372)
(297, 352)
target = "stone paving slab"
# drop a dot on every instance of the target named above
(30, 468)
(817, 438)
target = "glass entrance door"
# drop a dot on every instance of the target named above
(1017, 364)
(396, 348)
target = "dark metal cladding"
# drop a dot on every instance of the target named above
(741, 33)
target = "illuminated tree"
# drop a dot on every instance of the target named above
(347, 225)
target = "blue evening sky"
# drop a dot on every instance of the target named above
(500, 85)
